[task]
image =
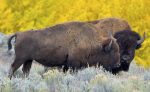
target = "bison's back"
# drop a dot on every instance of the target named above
(55, 43)
(111, 24)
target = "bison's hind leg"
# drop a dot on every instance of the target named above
(26, 67)
(14, 66)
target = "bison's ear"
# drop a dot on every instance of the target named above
(107, 45)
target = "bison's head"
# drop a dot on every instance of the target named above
(111, 55)
(128, 42)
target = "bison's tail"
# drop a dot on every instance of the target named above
(9, 41)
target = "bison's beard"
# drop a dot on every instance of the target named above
(125, 66)
(116, 70)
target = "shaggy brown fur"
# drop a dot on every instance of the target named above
(73, 44)
(111, 24)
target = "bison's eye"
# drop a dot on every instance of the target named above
(106, 48)
(107, 45)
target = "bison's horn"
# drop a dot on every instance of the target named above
(142, 39)
(109, 46)
(110, 33)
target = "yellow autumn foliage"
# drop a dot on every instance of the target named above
(22, 15)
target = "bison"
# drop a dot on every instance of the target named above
(74, 44)
(127, 39)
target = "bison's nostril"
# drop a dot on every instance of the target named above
(125, 57)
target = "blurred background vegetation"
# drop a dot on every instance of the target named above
(23, 15)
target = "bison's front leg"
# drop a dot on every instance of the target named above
(14, 66)
(26, 68)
